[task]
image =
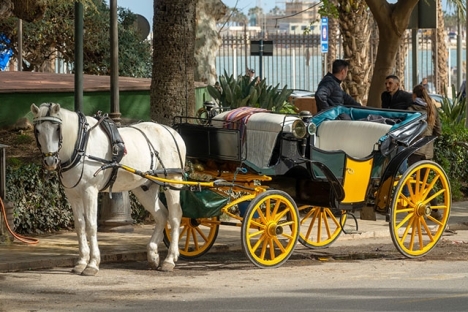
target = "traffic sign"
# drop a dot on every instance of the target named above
(324, 34)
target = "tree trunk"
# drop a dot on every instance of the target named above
(392, 20)
(355, 21)
(172, 84)
(440, 52)
(208, 40)
(400, 61)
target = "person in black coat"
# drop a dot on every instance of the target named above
(329, 92)
(393, 97)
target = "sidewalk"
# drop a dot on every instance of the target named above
(61, 250)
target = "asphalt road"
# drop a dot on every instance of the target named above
(229, 282)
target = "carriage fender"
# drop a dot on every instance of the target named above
(336, 187)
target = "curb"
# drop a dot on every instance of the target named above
(138, 255)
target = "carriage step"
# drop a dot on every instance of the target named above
(352, 232)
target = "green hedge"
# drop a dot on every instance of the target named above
(39, 201)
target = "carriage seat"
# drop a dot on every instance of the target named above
(356, 138)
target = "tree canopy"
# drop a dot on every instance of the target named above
(52, 36)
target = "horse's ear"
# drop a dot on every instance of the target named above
(55, 108)
(34, 109)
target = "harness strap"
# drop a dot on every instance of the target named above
(109, 127)
(177, 145)
(153, 151)
(80, 144)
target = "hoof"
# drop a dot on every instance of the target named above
(89, 271)
(78, 269)
(153, 261)
(167, 267)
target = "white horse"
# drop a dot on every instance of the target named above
(61, 137)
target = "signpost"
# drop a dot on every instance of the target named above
(324, 34)
(261, 48)
(324, 41)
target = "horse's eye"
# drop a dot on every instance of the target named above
(36, 131)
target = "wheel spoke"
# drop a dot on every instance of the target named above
(253, 234)
(195, 238)
(326, 225)
(200, 232)
(280, 215)
(272, 249)
(187, 240)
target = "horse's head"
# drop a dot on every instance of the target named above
(47, 130)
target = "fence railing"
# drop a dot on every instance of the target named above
(297, 61)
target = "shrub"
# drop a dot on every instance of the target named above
(40, 205)
(233, 93)
(39, 202)
(451, 149)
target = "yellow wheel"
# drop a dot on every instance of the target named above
(319, 227)
(270, 229)
(420, 209)
(196, 237)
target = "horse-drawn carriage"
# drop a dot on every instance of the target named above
(280, 178)
(329, 165)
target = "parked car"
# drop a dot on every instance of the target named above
(438, 99)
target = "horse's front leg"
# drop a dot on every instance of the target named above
(80, 228)
(90, 207)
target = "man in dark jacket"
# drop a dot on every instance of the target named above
(393, 97)
(329, 92)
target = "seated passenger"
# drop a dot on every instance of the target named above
(329, 92)
(393, 97)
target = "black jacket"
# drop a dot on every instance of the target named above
(329, 93)
(400, 100)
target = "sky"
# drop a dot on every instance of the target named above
(145, 7)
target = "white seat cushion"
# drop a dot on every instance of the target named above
(355, 137)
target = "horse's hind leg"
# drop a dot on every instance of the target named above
(149, 200)
(174, 217)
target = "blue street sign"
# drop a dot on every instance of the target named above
(324, 34)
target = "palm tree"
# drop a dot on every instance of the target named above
(255, 14)
(355, 25)
(172, 84)
(276, 11)
(333, 32)
(439, 51)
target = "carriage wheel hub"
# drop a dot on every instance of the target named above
(274, 229)
(423, 210)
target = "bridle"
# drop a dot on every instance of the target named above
(54, 120)
(80, 145)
